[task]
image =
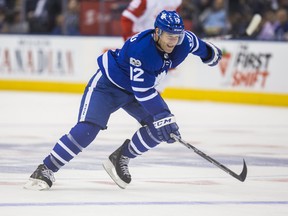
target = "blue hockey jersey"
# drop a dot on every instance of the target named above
(139, 66)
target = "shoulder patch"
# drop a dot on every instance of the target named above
(135, 62)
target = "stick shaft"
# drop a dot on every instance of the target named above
(240, 177)
(251, 28)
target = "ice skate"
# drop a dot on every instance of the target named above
(41, 179)
(117, 167)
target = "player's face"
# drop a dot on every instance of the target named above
(168, 41)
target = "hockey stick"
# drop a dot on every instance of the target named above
(240, 177)
(253, 25)
(251, 28)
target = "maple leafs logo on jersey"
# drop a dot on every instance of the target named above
(135, 62)
(160, 77)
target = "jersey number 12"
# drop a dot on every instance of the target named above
(135, 74)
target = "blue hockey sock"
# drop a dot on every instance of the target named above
(142, 141)
(70, 145)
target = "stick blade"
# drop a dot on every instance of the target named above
(243, 174)
(253, 25)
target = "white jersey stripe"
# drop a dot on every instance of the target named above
(71, 138)
(88, 96)
(105, 65)
(129, 15)
(135, 148)
(195, 40)
(66, 148)
(142, 141)
(58, 157)
(148, 97)
(140, 89)
(55, 162)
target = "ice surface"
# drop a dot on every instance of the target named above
(169, 180)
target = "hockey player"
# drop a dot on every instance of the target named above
(140, 15)
(126, 79)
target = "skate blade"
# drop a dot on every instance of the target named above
(36, 184)
(110, 169)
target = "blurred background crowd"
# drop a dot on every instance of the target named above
(206, 18)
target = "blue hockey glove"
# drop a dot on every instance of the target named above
(214, 56)
(165, 125)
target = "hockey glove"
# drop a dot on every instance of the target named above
(165, 125)
(214, 55)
